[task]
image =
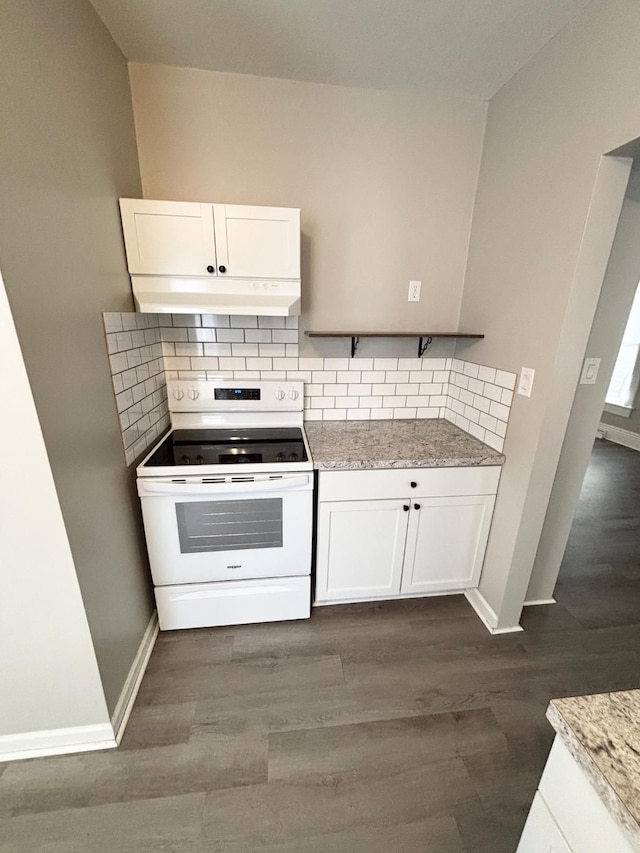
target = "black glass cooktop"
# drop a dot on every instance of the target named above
(229, 447)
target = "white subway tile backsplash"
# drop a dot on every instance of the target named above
(358, 414)
(359, 389)
(202, 335)
(245, 349)
(333, 390)
(230, 336)
(190, 320)
(499, 411)
(285, 336)
(360, 364)
(475, 397)
(336, 363)
(258, 336)
(239, 321)
(215, 321)
(138, 377)
(323, 376)
(260, 363)
(506, 380)
(385, 363)
(271, 322)
(334, 415)
(217, 349)
(487, 374)
(272, 350)
(188, 349)
(232, 363)
(410, 364)
(311, 364)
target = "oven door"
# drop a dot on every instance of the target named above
(238, 527)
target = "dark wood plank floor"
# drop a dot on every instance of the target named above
(400, 727)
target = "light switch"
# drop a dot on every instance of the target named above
(525, 384)
(590, 371)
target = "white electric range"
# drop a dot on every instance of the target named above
(227, 505)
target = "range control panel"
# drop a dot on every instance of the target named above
(246, 395)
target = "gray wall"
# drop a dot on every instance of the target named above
(631, 424)
(385, 180)
(544, 219)
(68, 151)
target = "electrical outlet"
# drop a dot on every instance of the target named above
(525, 384)
(414, 291)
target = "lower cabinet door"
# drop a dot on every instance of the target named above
(360, 549)
(446, 542)
(541, 833)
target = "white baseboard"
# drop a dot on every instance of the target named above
(122, 711)
(486, 613)
(536, 601)
(56, 742)
(619, 436)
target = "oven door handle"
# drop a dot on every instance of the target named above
(170, 487)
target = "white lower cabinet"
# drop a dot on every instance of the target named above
(568, 815)
(446, 542)
(377, 544)
(360, 549)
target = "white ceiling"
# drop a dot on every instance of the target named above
(471, 47)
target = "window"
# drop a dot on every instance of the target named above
(626, 373)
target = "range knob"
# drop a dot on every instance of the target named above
(280, 457)
(185, 460)
(200, 460)
(178, 393)
(293, 394)
(193, 393)
(279, 394)
(293, 457)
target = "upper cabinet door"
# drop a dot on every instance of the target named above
(168, 237)
(257, 242)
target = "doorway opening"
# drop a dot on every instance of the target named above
(588, 559)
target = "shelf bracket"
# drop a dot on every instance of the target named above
(355, 340)
(423, 345)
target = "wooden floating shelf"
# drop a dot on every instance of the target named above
(424, 338)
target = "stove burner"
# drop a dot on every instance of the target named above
(230, 447)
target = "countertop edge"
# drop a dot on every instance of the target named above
(377, 464)
(604, 788)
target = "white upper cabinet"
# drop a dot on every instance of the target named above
(168, 237)
(257, 242)
(172, 238)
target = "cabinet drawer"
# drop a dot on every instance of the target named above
(392, 483)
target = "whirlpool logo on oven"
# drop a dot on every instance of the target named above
(239, 566)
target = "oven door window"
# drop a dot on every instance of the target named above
(229, 525)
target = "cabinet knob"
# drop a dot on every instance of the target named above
(222, 269)
(414, 485)
(416, 506)
(406, 507)
(211, 269)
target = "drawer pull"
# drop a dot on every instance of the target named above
(416, 506)
(414, 485)
(406, 507)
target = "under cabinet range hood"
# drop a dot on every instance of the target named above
(169, 295)
(207, 258)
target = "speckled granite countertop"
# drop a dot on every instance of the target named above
(426, 443)
(602, 733)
